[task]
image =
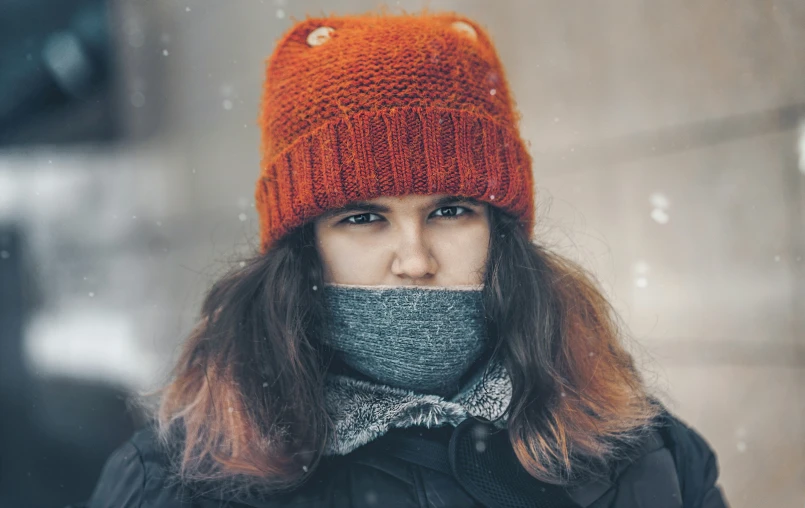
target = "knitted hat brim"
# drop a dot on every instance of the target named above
(394, 152)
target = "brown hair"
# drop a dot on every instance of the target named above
(246, 404)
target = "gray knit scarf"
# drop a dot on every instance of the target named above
(413, 344)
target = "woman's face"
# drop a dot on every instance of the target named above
(429, 240)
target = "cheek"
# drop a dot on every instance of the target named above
(347, 261)
(464, 254)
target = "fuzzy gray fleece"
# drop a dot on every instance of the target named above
(363, 411)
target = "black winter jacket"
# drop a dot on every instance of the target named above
(436, 468)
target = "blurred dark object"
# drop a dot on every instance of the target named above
(55, 66)
(55, 434)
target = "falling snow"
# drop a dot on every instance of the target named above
(165, 52)
(660, 216)
(137, 99)
(659, 200)
(660, 205)
(641, 268)
(4, 254)
(242, 217)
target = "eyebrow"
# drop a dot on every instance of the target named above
(364, 206)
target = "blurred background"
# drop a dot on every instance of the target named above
(669, 150)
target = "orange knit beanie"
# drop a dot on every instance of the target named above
(358, 107)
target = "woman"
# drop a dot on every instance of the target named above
(401, 340)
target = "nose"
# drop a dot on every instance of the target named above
(413, 257)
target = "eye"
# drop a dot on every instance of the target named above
(452, 212)
(362, 218)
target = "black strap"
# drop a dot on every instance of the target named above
(416, 450)
(422, 452)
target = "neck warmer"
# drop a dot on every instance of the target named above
(414, 338)
(413, 344)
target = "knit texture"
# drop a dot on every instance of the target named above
(417, 338)
(363, 411)
(387, 105)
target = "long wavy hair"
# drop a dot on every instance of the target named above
(245, 406)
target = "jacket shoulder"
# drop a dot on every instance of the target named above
(695, 462)
(138, 475)
(674, 467)
(135, 476)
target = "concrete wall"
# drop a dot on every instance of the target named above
(665, 160)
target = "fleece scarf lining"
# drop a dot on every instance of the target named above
(363, 411)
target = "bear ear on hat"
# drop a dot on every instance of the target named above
(465, 28)
(320, 35)
(471, 29)
(307, 33)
